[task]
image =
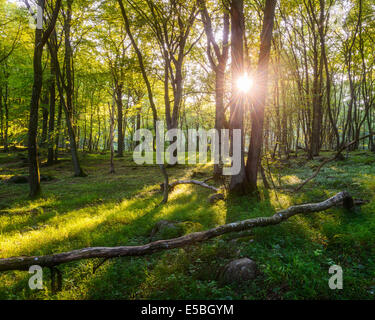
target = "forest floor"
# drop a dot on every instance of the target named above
(121, 209)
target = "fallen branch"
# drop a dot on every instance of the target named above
(208, 179)
(360, 202)
(338, 153)
(23, 263)
(196, 182)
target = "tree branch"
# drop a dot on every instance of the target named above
(196, 182)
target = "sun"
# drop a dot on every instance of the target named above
(244, 83)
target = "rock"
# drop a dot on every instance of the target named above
(215, 197)
(165, 229)
(239, 270)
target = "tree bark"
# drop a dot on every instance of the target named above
(40, 40)
(219, 69)
(58, 130)
(120, 136)
(52, 104)
(68, 109)
(259, 101)
(111, 133)
(45, 113)
(239, 182)
(34, 174)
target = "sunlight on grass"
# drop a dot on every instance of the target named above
(69, 226)
(122, 209)
(291, 179)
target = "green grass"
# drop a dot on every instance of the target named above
(121, 209)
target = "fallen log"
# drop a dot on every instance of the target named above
(23, 263)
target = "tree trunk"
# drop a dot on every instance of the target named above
(220, 115)
(90, 135)
(58, 130)
(111, 130)
(1, 117)
(238, 183)
(257, 114)
(141, 63)
(34, 175)
(6, 109)
(45, 113)
(68, 105)
(78, 172)
(120, 136)
(219, 68)
(52, 104)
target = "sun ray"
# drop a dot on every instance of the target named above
(245, 83)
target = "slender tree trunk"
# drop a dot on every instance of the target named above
(84, 131)
(111, 133)
(52, 104)
(45, 113)
(219, 68)
(327, 74)
(1, 117)
(238, 183)
(220, 115)
(284, 122)
(34, 175)
(68, 105)
(40, 40)
(90, 135)
(6, 147)
(68, 61)
(316, 120)
(140, 61)
(120, 136)
(259, 102)
(99, 131)
(58, 130)
(78, 172)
